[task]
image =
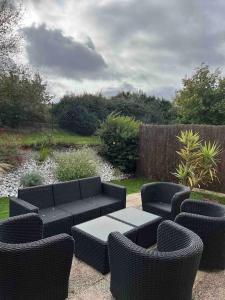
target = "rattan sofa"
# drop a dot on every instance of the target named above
(32, 267)
(63, 205)
(164, 198)
(165, 273)
(207, 219)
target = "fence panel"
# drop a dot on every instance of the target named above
(158, 145)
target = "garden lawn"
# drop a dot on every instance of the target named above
(59, 138)
(4, 208)
(133, 185)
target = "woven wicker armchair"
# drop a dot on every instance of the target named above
(207, 219)
(32, 267)
(164, 198)
(165, 273)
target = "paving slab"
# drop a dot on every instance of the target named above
(88, 284)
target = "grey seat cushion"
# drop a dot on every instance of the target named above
(101, 200)
(53, 214)
(81, 210)
(76, 207)
(105, 204)
(159, 208)
(66, 192)
(39, 196)
(56, 221)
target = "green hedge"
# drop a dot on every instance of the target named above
(119, 137)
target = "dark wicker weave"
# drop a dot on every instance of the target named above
(207, 219)
(91, 240)
(63, 205)
(166, 273)
(31, 267)
(163, 198)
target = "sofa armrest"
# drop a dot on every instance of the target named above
(115, 191)
(19, 207)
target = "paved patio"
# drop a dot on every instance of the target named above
(88, 284)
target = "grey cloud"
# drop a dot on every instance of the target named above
(185, 30)
(114, 90)
(62, 55)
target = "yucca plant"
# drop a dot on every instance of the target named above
(199, 160)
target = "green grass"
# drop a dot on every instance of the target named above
(4, 208)
(133, 185)
(59, 137)
(209, 196)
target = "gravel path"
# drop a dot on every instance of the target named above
(10, 182)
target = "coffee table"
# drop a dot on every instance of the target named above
(146, 224)
(91, 240)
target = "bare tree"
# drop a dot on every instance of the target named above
(9, 37)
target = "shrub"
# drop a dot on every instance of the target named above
(119, 137)
(198, 160)
(31, 179)
(79, 120)
(44, 153)
(9, 150)
(78, 164)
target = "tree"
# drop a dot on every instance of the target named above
(9, 36)
(202, 99)
(23, 98)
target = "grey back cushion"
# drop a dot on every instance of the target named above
(90, 187)
(66, 192)
(40, 196)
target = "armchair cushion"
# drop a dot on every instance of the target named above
(159, 208)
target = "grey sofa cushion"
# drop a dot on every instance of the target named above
(81, 211)
(90, 187)
(65, 192)
(55, 221)
(40, 196)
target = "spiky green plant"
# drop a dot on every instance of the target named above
(198, 165)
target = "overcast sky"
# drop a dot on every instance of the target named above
(112, 45)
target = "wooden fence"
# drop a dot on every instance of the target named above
(157, 151)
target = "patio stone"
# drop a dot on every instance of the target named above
(88, 284)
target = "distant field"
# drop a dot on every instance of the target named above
(59, 138)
